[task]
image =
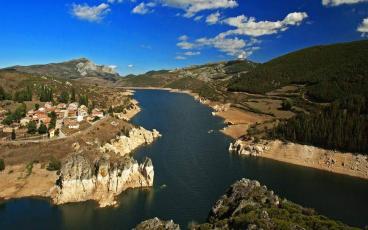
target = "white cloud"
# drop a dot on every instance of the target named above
(192, 7)
(183, 38)
(231, 46)
(179, 57)
(250, 27)
(90, 13)
(198, 18)
(185, 45)
(363, 28)
(213, 18)
(340, 2)
(191, 53)
(113, 66)
(130, 66)
(114, 1)
(143, 8)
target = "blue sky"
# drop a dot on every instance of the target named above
(138, 36)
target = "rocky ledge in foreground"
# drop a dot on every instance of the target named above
(157, 224)
(81, 180)
(249, 205)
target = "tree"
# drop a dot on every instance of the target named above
(42, 129)
(72, 98)
(83, 100)
(2, 165)
(37, 106)
(111, 111)
(32, 127)
(13, 135)
(9, 119)
(46, 94)
(53, 117)
(64, 97)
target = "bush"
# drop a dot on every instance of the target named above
(54, 165)
(42, 129)
(2, 165)
(286, 104)
(32, 127)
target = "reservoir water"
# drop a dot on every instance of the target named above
(192, 170)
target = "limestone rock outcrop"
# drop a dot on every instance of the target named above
(248, 147)
(249, 205)
(157, 224)
(82, 180)
(128, 142)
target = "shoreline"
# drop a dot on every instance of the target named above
(239, 120)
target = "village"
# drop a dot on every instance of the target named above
(50, 121)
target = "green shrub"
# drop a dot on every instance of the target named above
(286, 104)
(2, 165)
(54, 165)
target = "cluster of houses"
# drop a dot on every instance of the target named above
(67, 115)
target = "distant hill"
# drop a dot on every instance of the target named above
(330, 72)
(193, 77)
(74, 69)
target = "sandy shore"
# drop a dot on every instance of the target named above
(313, 157)
(16, 181)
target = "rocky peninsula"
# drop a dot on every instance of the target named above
(249, 205)
(93, 166)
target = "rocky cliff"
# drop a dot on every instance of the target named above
(82, 180)
(157, 224)
(128, 142)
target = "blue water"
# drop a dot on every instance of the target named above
(192, 170)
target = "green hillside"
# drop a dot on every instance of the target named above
(330, 72)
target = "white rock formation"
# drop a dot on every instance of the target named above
(247, 147)
(87, 66)
(125, 144)
(80, 180)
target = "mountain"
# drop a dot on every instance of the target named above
(74, 69)
(204, 79)
(329, 72)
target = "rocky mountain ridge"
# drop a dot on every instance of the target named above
(74, 69)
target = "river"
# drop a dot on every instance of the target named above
(192, 170)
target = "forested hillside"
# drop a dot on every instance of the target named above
(330, 72)
(343, 125)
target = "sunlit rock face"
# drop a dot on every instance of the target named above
(81, 180)
(128, 142)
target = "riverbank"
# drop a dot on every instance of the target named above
(355, 165)
(237, 120)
